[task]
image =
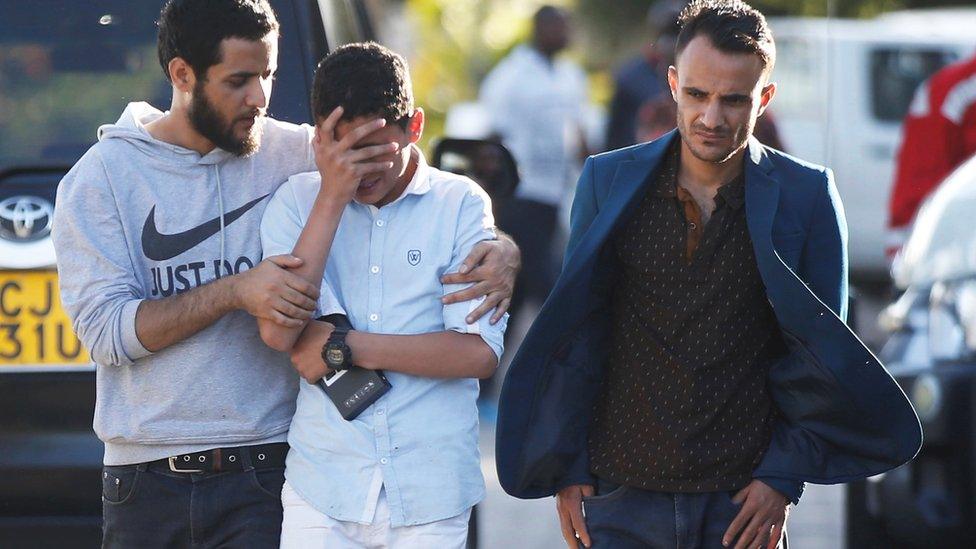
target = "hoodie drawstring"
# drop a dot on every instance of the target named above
(220, 204)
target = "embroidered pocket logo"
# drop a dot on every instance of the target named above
(413, 257)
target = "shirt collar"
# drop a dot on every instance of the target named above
(734, 192)
(666, 181)
(420, 182)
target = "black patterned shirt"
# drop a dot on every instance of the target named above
(684, 405)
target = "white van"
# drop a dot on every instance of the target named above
(844, 88)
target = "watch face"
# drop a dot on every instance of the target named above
(334, 357)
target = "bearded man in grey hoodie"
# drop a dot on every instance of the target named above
(157, 237)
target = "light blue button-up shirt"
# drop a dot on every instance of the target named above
(419, 442)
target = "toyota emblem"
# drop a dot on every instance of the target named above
(25, 218)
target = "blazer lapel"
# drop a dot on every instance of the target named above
(783, 285)
(629, 179)
(762, 201)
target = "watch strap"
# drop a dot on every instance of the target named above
(338, 335)
(337, 319)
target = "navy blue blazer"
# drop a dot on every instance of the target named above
(842, 415)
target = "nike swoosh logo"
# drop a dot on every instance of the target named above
(160, 247)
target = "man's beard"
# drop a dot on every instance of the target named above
(209, 123)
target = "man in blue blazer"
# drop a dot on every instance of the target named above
(692, 368)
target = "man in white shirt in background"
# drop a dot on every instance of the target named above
(536, 102)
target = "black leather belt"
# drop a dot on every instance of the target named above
(264, 456)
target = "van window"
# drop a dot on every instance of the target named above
(67, 67)
(896, 73)
(341, 23)
(799, 71)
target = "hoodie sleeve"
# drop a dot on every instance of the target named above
(99, 289)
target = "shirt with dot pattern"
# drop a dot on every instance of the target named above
(684, 405)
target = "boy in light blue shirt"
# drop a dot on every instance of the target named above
(377, 234)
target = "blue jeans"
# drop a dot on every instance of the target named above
(623, 517)
(147, 506)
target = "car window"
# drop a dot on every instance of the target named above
(896, 73)
(67, 67)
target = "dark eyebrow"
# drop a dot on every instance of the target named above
(242, 74)
(736, 97)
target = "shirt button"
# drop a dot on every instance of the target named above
(380, 222)
(692, 226)
(384, 461)
(374, 269)
(379, 412)
(374, 317)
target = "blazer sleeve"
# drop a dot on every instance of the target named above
(792, 489)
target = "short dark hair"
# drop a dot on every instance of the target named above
(731, 25)
(194, 29)
(366, 79)
(548, 13)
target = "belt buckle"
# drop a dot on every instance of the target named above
(175, 469)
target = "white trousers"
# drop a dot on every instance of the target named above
(303, 527)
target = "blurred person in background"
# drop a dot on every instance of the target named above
(655, 118)
(536, 101)
(692, 367)
(643, 80)
(939, 133)
(641, 108)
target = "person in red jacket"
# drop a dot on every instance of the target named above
(939, 134)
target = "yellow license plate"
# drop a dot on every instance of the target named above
(34, 329)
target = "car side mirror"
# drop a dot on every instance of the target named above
(488, 163)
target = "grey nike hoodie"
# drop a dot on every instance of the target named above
(137, 218)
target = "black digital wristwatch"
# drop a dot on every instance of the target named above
(336, 353)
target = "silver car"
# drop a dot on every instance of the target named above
(931, 351)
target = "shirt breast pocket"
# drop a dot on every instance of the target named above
(789, 247)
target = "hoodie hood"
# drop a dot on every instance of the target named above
(131, 127)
